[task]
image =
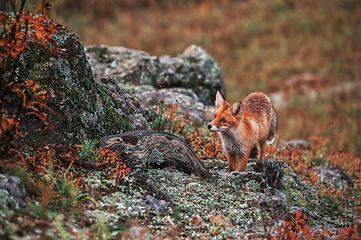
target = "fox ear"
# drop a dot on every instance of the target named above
(237, 108)
(219, 100)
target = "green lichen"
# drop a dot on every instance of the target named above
(180, 155)
(39, 71)
(254, 185)
(201, 197)
(155, 157)
(303, 194)
(237, 197)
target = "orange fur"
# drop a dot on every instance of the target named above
(242, 126)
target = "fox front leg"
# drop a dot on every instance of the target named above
(232, 162)
(242, 162)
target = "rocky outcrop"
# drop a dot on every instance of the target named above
(138, 71)
(189, 81)
(143, 149)
(85, 107)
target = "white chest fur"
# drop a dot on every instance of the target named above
(231, 143)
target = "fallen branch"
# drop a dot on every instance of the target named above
(78, 162)
(149, 184)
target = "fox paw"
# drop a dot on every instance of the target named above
(235, 173)
(258, 167)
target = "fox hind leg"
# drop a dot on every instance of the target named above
(254, 152)
(271, 138)
(260, 161)
(273, 127)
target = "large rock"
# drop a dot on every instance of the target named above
(334, 176)
(137, 71)
(186, 102)
(144, 148)
(14, 187)
(87, 107)
(273, 170)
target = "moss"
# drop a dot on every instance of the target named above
(87, 108)
(102, 53)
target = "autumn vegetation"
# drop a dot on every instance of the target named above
(308, 52)
(46, 171)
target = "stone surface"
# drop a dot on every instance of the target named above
(185, 103)
(334, 176)
(144, 148)
(138, 71)
(14, 187)
(275, 201)
(85, 107)
(151, 201)
(273, 170)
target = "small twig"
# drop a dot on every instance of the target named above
(239, 200)
(78, 162)
(289, 196)
(267, 233)
(149, 184)
(230, 215)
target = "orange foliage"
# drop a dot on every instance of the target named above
(205, 147)
(29, 98)
(109, 160)
(27, 27)
(300, 230)
(32, 103)
(7, 123)
(41, 159)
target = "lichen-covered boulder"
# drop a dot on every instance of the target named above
(144, 148)
(15, 189)
(334, 176)
(85, 107)
(273, 170)
(185, 103)
(138, 71)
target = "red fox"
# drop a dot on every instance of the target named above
(242, 126)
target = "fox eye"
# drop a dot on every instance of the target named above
(214, 116)
(223, 120)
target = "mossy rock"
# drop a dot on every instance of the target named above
(85, 107)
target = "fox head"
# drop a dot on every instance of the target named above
(226, 116)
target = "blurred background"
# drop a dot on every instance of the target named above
(305, 54)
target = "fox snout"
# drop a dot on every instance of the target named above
(212, 128)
